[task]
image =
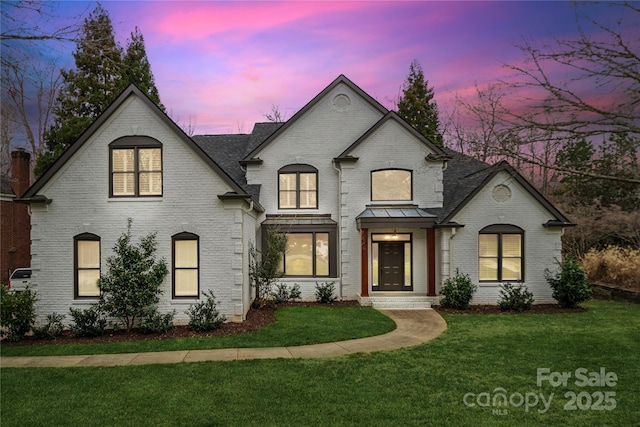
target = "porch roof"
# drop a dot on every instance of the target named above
(299, 220)
(395, 216)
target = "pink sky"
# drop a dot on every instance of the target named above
(222, 65)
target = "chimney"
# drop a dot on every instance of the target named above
(20, 171)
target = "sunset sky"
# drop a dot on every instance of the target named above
(222, 65)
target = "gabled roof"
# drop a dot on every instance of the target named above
(250, 157)
(392, 116)
(465, 177)
(132, 90)
(228, 150)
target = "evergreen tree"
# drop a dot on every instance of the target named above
(577, 155)
(102, 71)
(619, 158)
(137, 69)
(417, 106)
(132, 283)
(615, 158)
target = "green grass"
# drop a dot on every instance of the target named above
(424, 385)
(293, 326)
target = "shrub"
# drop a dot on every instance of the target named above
(90, 322)
(457, 291)
(515, 297)
(132, 283)
(156, 323)
(570, 285)
(324, 292)
(204, 316)
(52, 329)
(283, 293)
(17, 312)
(614, 266)
(294, 292)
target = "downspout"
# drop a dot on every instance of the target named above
(244, 250)
(338, 238)
(250, 208)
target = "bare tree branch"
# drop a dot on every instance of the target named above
(606, 63)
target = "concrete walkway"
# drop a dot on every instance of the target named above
(413, 327)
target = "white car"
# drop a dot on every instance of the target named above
(19, 280)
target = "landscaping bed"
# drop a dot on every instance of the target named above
(493, 309)
(256, 319)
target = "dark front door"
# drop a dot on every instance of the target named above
(391, 266)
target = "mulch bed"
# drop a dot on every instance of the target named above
(256, 319)
(493, 309)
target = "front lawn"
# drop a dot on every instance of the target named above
(295, 325)
(479, 355)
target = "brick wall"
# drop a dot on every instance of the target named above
(15, 222)
(542, 245)
(81, 204)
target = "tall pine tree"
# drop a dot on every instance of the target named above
(102, 71)
(137, 69)
(417, 106)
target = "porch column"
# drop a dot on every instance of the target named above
(431, 262)
(364, 262)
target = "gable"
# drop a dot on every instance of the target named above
(142, 117)
(338, 115)
(393, 130)
(501, 192)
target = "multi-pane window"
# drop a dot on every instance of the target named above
(298, 187)
(87, 265)
(391, 185)
(307, 254)
(136, 167)
(500, 249)
(186, 262)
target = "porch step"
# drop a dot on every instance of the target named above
(400, 302)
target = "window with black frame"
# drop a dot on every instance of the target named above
(501, 253)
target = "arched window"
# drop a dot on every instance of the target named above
(135, 167)
(298, 187)
(501, 253)
(186, 265)
(86, 265)
(391, 185)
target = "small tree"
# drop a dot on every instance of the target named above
(265, 266)
(132, 282)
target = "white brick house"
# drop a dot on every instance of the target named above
(366, 202)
